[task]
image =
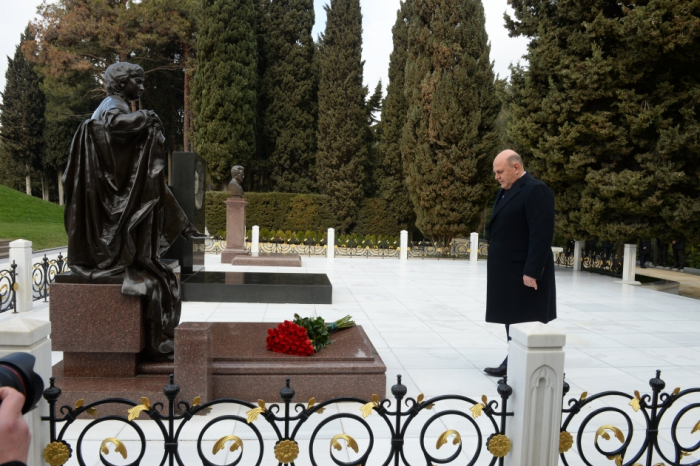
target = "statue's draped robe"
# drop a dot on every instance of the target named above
(120, 215)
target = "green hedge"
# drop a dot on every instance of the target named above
(299, 212)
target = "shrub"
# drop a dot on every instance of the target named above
(377, 218)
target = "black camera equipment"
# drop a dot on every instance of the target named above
(17, 371)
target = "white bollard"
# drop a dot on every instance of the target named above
(403, 252)
(474, 247)
(578, 254)
(536, 374)
(31, 336)
(255, 245)
(21, 253)
(629, 265)
(330, 251)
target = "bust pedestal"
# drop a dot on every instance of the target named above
(235, 229)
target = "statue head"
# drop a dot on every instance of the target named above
(124, 79)
(238, 173)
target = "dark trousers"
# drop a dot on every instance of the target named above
(679, 258)
(643, 258)
(505, 361)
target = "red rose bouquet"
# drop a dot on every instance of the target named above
(289, 338)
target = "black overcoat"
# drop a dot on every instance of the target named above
(520, 243)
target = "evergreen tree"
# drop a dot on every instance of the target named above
(449, 137)
(225, 84)
(374, 137)
(607, 114)
(289, 96)
(22, 113)
(342, 120)
(390, 178)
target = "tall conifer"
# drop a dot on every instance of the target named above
(449, 136)
(289, 91)
(607, 114)
(225, 84)
(390, 176)
(22, 113)
(342, 121)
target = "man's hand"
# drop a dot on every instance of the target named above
(14, 430)
(529, 281)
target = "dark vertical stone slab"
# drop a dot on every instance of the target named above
(189, 171)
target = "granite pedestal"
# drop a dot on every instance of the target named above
(268, 260)
(235, 229)
(251, 287)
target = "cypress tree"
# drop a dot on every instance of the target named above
(22, 113)
(390, 177)
(289, 94)
(607, 114)
(374, 137)
(450, 135)
(342, 120)
(225, 84)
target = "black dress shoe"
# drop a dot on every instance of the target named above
(499, 371)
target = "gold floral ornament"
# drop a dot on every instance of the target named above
(119, 446)
(136, 410)
(221, 444)
(420, 399)
(442, 439)
(601, 432)
(566, 441)
(197, 401)
(253, 414)
(286, 451)
(312, 402)
(696, 428)
(57, 453)
(367, 409)
(91, 411)
(498, 445)
(635, 401)
(478, 408)
(349, 440)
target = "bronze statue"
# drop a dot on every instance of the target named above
(120, 215)
(237, 175)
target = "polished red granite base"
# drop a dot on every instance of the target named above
(268, 260)
(230, 360)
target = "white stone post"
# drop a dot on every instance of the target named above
(255, 245)
(474, 247)
(21, 253)
(403, 252)
(628, 266)
(330, 250)
(31, 336)
(578, 254)
(536, 374)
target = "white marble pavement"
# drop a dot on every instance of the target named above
(426, 319)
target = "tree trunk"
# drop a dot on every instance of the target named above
(44, 187)
(60, 187)
(28, 181)
(186, 121)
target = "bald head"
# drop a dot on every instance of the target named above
(508, 168)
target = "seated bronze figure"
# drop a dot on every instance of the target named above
(120, 215)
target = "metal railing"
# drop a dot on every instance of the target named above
(646, 410)
(44, 274)
(8, 288)
(286, 420)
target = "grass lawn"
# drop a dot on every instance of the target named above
(30, 218)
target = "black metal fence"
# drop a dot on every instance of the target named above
(667, 436)
(605, 261)
(286, 420)
(8, 288)
(44, 274)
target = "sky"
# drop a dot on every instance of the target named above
(378, 18)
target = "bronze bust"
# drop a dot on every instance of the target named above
(237, 175)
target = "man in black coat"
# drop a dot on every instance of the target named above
(678, 254)
(520, 280)
(644, 252)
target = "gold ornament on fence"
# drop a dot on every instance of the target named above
(367, 408)
(349, 440)
(136, 410)
(286, 451)
(221, 444)
(57, 453)
(253, 414)
(442, 439)
(498, 445)
(566, 441)
(119, 447)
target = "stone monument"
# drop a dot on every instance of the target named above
(235, 217)
(189, 171)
